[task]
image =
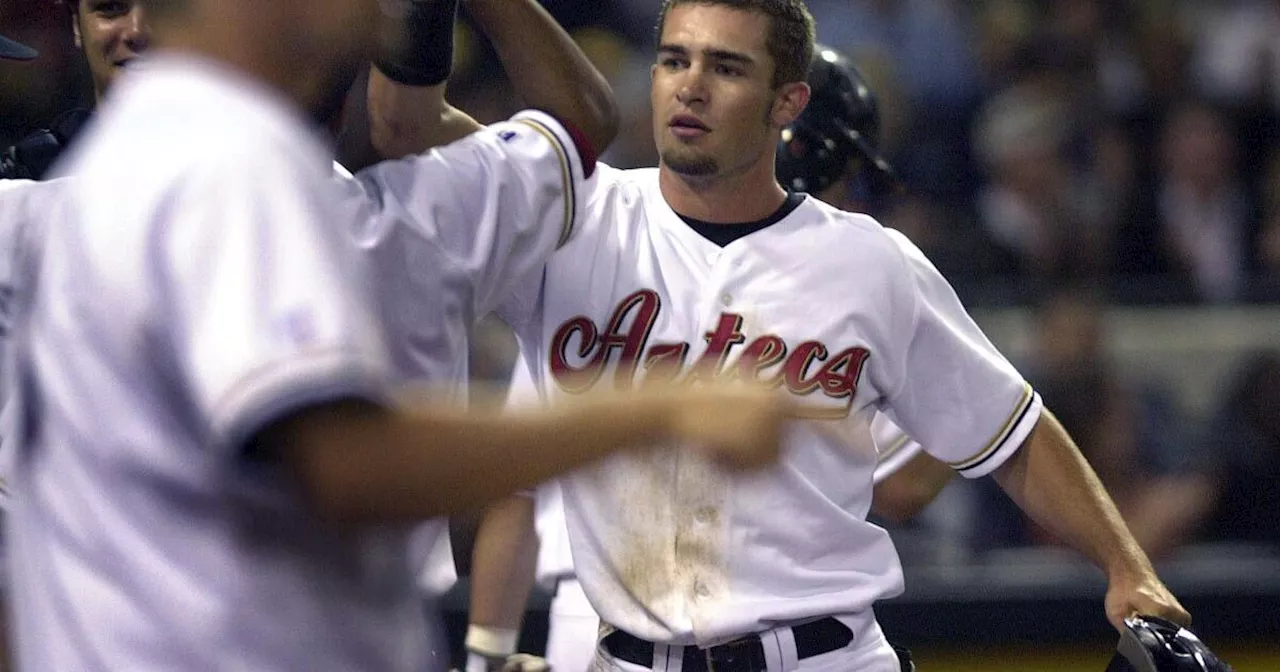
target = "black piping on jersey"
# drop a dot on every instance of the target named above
(566, 173)
(1016, 418)
(723, 234)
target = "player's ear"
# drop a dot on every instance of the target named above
(789, 103)
(75, 28)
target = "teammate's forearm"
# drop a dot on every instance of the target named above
(405, 120)
(546, 67)
(1051, 481)
(503, 563)
(360, 464)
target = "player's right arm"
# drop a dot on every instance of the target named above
(547, 69)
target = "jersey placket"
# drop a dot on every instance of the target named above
(704, 492)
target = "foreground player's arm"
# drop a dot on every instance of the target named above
(359, 463)
(1051, 481)
(546, 68)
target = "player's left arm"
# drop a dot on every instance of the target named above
(978, 414)
(1051, 481)
(546, 67)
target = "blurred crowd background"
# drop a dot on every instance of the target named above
(1100, 180)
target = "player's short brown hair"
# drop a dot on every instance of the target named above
(791, 32)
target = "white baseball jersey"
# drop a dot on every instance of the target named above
(847, 316)
(24, 208)
(188, 298)
(894, 449)
(448, 235)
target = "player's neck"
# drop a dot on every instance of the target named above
(747, 197)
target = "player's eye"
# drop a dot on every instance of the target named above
(728, 70)
(112, 9)
(673, 63)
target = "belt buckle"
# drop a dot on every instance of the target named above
(736, 655)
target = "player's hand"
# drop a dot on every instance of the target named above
(524, 662)
(1145, 595)
(740, 427)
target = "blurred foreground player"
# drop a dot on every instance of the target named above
(210, 473)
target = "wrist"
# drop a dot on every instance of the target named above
(491, 642)
(1130, 568)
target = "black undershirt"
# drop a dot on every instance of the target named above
(723, 234)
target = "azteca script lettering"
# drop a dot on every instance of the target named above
(803, 369)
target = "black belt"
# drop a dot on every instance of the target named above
(741, 655)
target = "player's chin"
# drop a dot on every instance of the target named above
(689, 162)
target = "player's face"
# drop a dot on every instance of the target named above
(715, 110)
(111, 33)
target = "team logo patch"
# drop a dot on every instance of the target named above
(298, 327)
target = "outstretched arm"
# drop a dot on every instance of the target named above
(1051, 481)
(409, 115)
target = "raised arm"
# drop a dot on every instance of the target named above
(1051, 481)
(408, 114)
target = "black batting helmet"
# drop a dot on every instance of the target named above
(841, 122)
(13, 51)
(1150, 644)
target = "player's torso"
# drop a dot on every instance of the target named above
(638, 295)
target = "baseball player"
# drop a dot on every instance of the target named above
(829, 151)
(705, 269)
(110, 35)
(210, 471)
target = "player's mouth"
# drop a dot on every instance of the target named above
(687, 126)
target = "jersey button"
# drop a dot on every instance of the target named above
(726, 299)
(704, 515)
(701, 590)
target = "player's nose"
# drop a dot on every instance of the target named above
(691, 90)
(137, 32)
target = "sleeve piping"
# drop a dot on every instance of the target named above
(1010, 437)
(566, 175)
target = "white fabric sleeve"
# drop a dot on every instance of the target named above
(496, 203)
(893, 447)
(266, 297)
(950, 388)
